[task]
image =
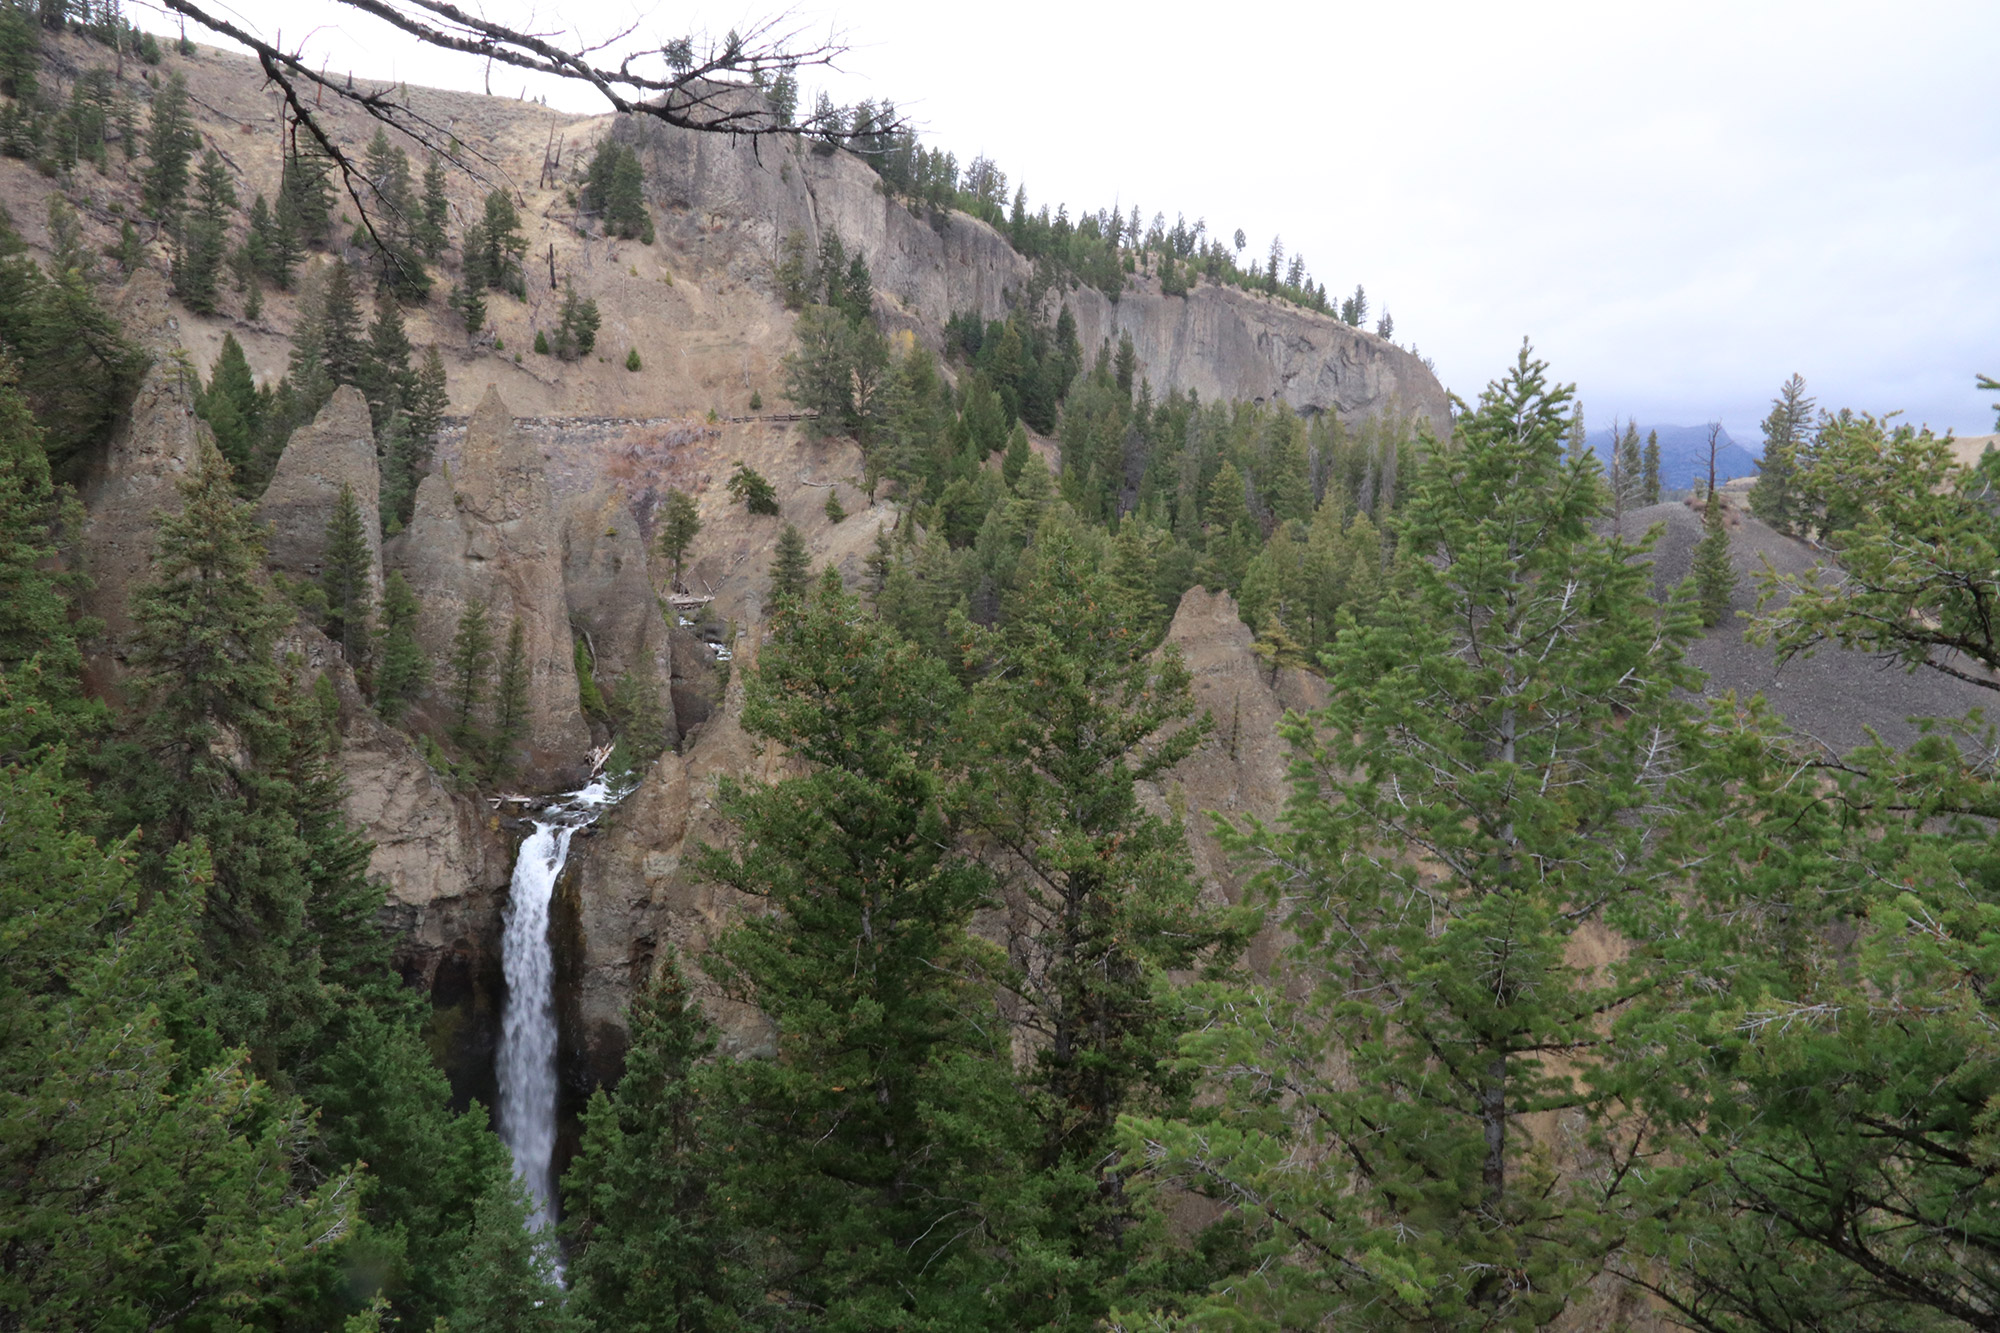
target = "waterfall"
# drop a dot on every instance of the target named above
(527, 1061)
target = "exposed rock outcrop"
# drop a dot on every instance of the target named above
(487, 531)
(1223, 343)
(337, 449)
(155, 446)
(607, 582)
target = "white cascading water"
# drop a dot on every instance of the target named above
(527, 1062)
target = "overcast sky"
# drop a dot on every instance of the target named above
(1681, 204)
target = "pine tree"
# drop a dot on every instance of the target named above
(305, 196)
(384, 375)
(400, 668)
(435, 211)
(204, 236)
(643, 1213)
(841, 1149)
(1458, 816)
(749, 486)
(346, 578)
(835, 511)
(507, 1276)
(233, 409)
(1714, 575)
(680, 523)
(170, 141)
(502, 244)
(34, 612)
(1629, 482)
(576, 327)
(1077, 715)
(467, 668)
(1787, 438)
(791, 570)
(1649, 485)
(510, 706)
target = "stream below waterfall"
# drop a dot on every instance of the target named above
(526, 1064)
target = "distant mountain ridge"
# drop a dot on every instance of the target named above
(1684, 455)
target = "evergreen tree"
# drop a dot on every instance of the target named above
(204, 236)
(1714, 575)
(756, 494)
(170, 141)
(502, 244)
(213, 724)
(680, 523)
(1078, 713)
(1460, 812)
(507, 1276)
(305, 196)
(115, 1143)
(510, 706)
(652, 1250)
(400, 668)
(467, 668)
(346, 579)
(383, 374)
(1629, 476)
(791, 570)
(1787, 439)
(34, 610)
(875, 1137)
(434, 212)
(232, 408)
(1649, 484)
(576, 326)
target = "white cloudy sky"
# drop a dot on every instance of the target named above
(1679, 203)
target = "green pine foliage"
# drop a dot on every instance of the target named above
(1714, 574)
(653, 1247)
(860, 1163)
(679, 524)
(510, 707)
(467, 670)
(791, 569)
(752, 490)
(170, 143)
(1458, 817)
(401, 668)
(347, 579)
(1788, 445)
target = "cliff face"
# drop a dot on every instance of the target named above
(738, 201)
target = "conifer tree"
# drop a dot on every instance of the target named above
(643, 1213)
(345, 579)
(305, 196)
(1649, 484)
(400, 668)
(435, 210)
(791, 569)
(508, 1280)
(231, 407)
(749, 486)
(1078, 713)
(204, 236)
(841, 1148)
(34, 612)
(1787, 438)
(467, 668)
(1459, 813)
(170, 141)
(680, 523)
(383, 375)
(510, 706)
(502, 244)
(1714, 575)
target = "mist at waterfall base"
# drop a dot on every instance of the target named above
(526, 1066)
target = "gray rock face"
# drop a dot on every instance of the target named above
(739, 201)
(337, 449)
(155, 446)
(488, 531)
(609, 588)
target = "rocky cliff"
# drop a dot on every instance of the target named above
(737, 201)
